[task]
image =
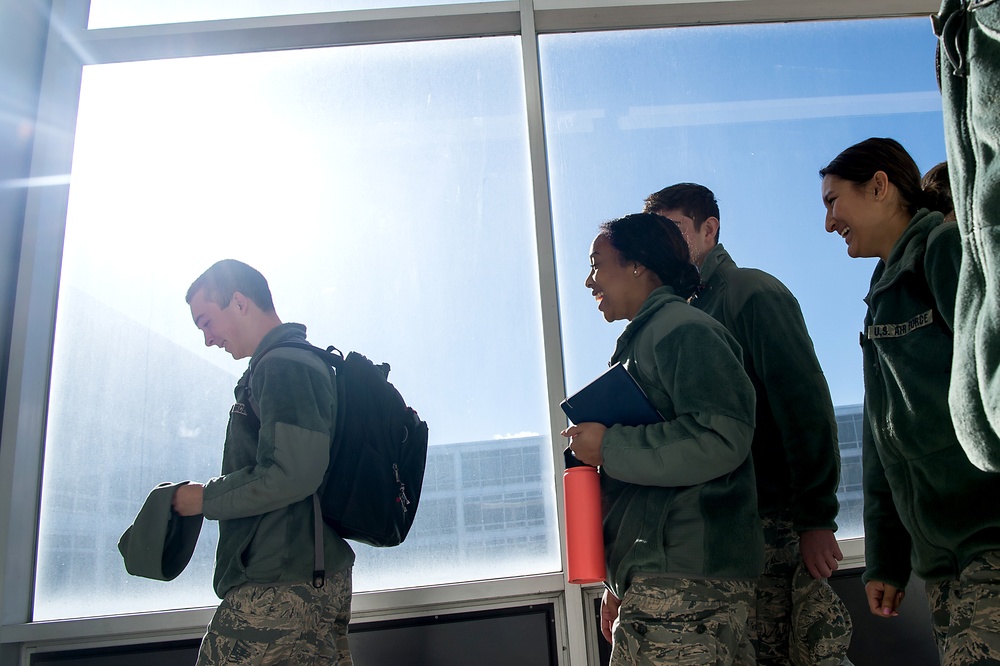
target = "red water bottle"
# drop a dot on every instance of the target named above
(584, 524)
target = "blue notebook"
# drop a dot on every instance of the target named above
(613, 398)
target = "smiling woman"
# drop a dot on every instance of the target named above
(871, 191)
(927, 508)
(618, 296)
(624, 246)
(706, 545)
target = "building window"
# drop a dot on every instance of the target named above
(382, 190)
(752, 112)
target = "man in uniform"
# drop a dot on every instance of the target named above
(795, 447)
(273, 610)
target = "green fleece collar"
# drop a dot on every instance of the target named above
(716, 257)
(657, 298)
(906, 253)
(280, 333)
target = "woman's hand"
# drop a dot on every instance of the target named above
(585, 441)
(609, 614)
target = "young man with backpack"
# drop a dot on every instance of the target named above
(275, 608)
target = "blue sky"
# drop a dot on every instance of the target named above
(752, 112)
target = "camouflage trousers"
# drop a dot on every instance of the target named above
(821, 630)
(292, 624)
(683, 621)
(965, 613)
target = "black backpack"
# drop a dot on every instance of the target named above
(377, 454)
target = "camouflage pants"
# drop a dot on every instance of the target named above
(966, 613)
(267, 625)
(822, 630)
(683, 621)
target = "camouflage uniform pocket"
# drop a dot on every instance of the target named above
(682, 621)
(261, 625)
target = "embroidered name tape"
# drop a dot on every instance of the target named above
(877, 331)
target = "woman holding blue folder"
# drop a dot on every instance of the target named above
(683, 542)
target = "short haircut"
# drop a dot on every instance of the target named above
(224, 278)
(694, 200)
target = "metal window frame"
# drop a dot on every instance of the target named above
(71, 46)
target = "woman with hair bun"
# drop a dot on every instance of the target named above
(927, 508)
(683, 542)
(937, 183)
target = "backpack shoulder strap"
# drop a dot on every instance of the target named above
(333, 361)
(332, 356)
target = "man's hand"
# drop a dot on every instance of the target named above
(820, 552)
(585, 441)
(188, 498)
(883, 599)
(609, 614)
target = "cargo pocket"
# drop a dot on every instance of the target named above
(219, 650)
(676, 640)
(984, 576)
(255, 625)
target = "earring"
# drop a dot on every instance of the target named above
(635, 272)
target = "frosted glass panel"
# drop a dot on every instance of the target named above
(384, 192)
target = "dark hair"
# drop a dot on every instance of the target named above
(656, 243)
(859, 163)
(936, 183)
(694, 200)
(226, 277)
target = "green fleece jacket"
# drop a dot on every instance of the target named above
(795, 451)
(927, 508)
(263, 498)
(678, 496)
(970, 43)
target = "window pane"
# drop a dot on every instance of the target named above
(381, 190)
(752, 112)
(121, 13)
